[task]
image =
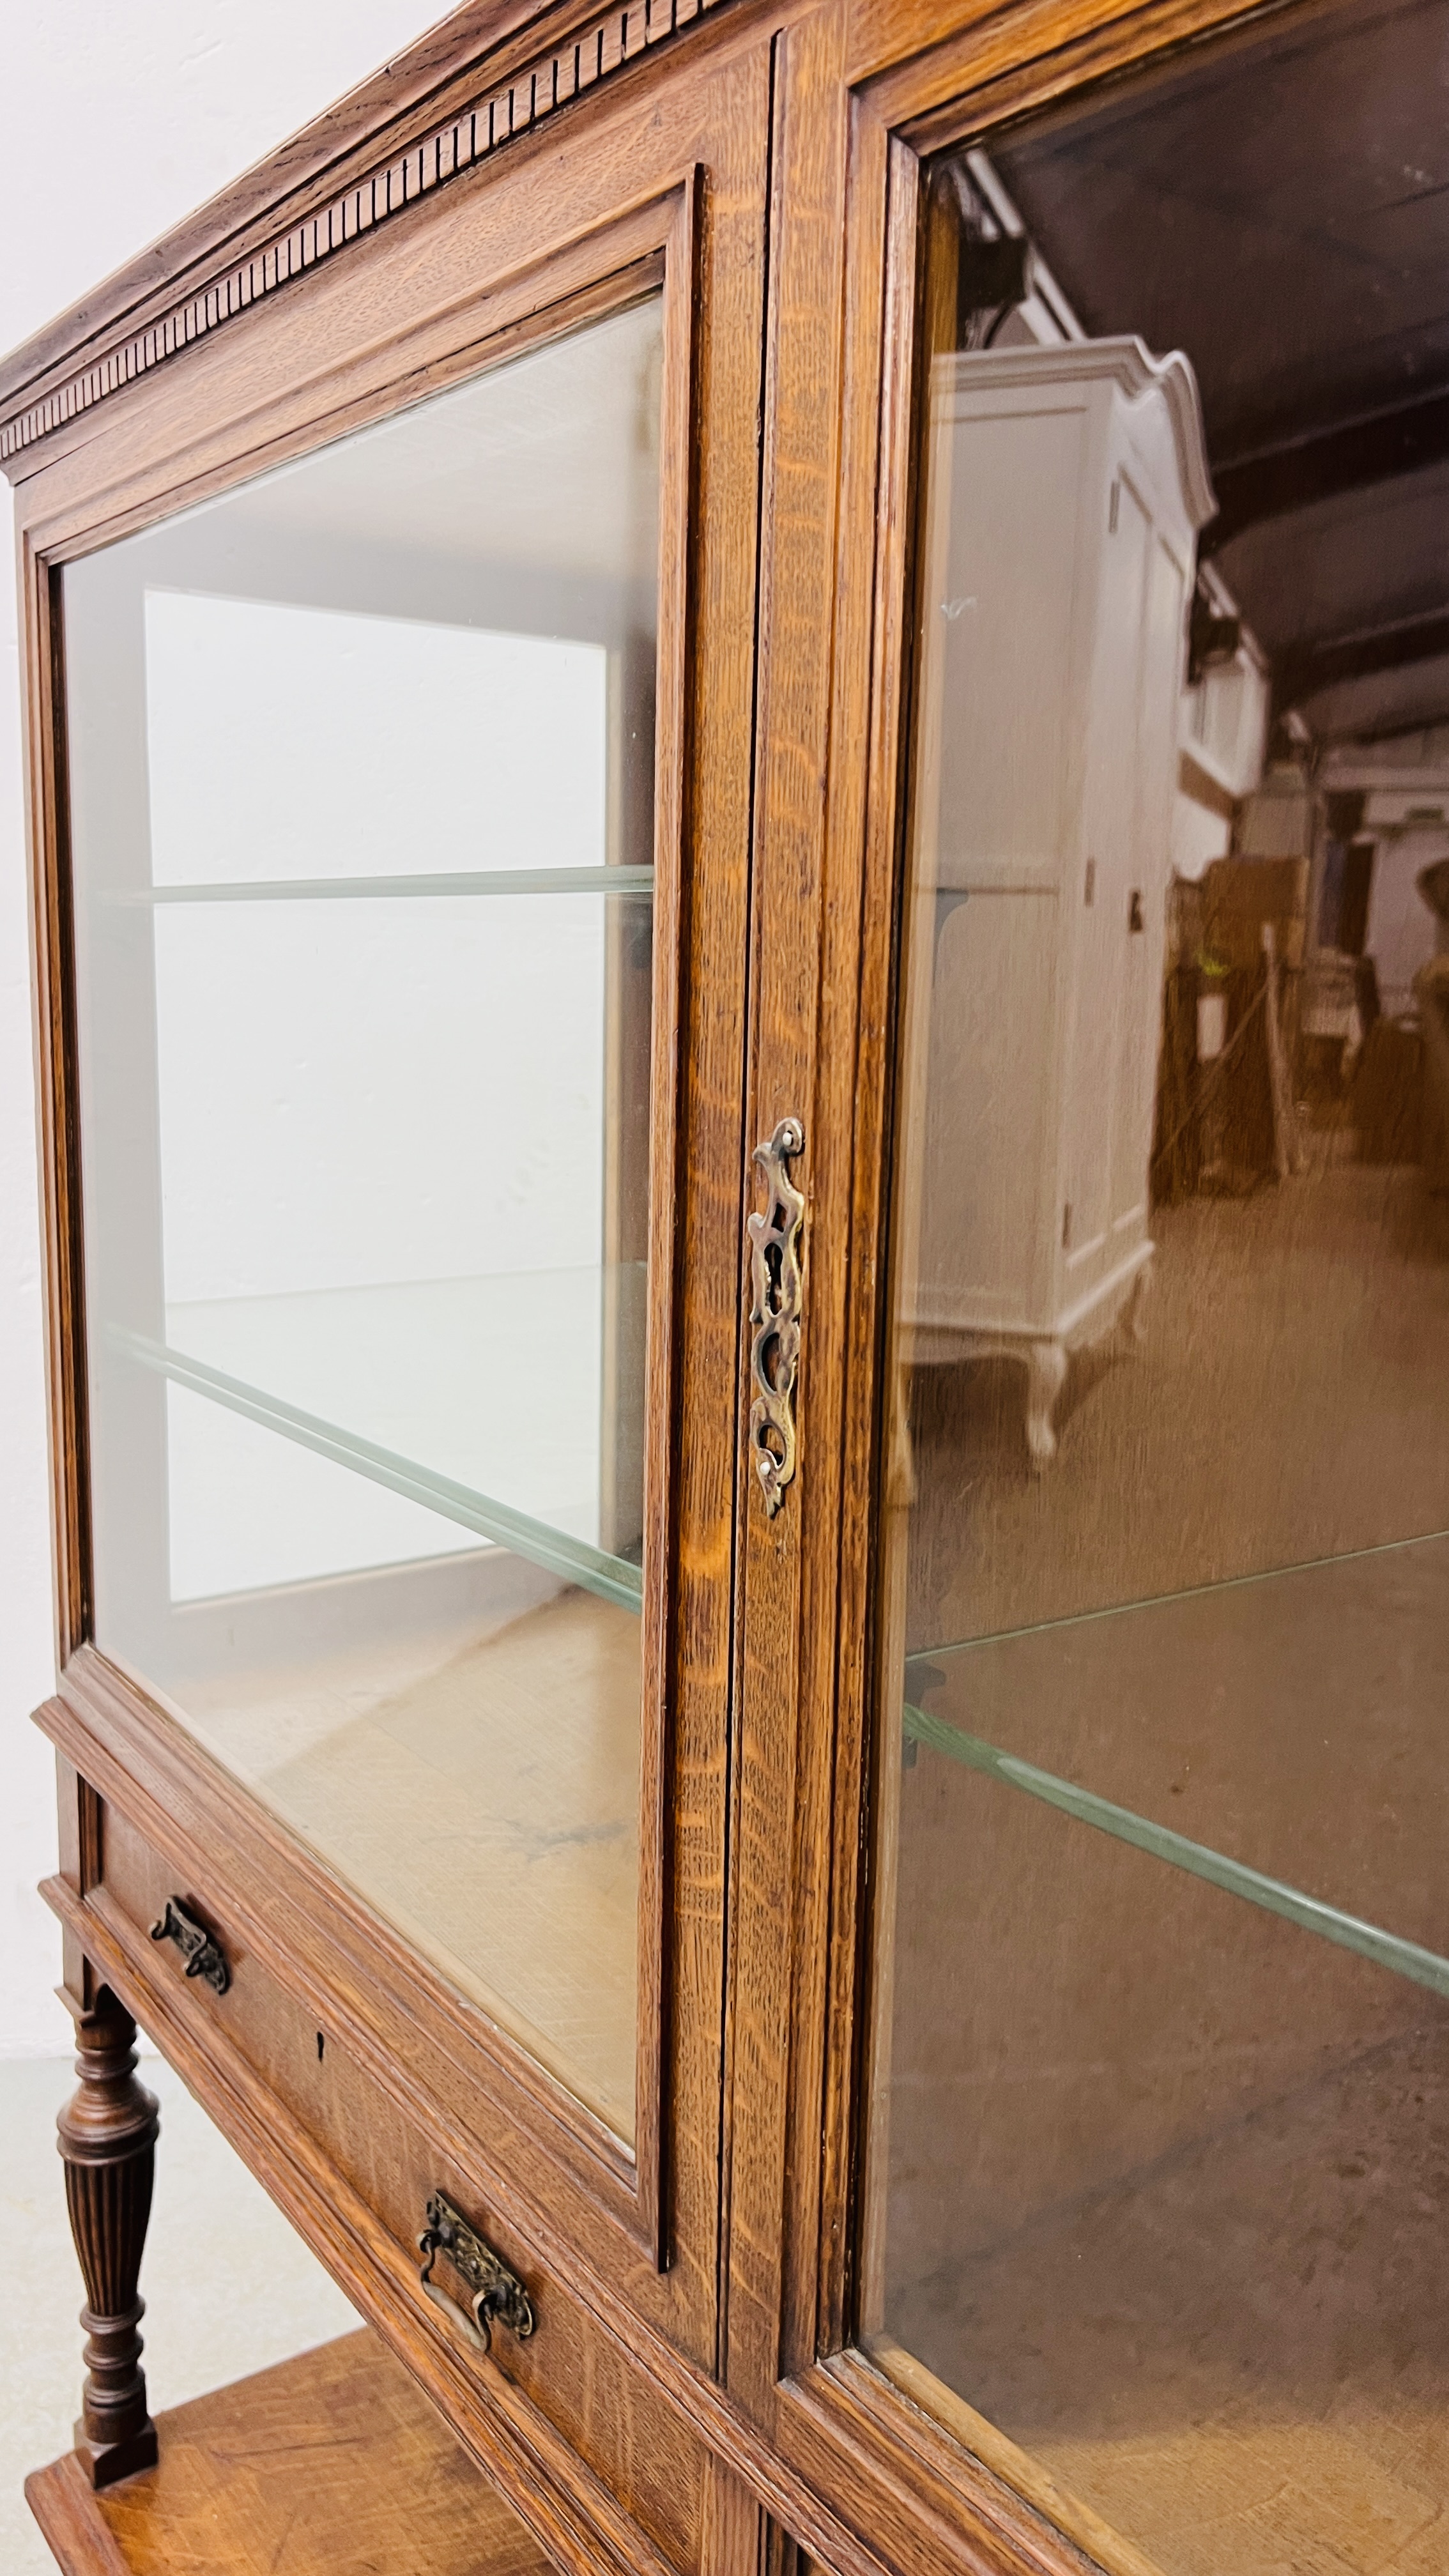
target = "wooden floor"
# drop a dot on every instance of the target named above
(331, 2465)
(1169, 2177)
(1287, 1403)
(487, 1804)
(1238, 2355)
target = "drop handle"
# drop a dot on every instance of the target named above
(497, 2294)
(1134, 910)
(201, 1950)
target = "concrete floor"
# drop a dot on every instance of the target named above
(229, 2287)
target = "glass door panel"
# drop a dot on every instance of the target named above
(1157, 2156)
(362, 791)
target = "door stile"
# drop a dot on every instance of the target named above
(57, 1122)
(885, 285)
(782, 1612)
(668, 1091)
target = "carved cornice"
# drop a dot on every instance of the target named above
(514, 106)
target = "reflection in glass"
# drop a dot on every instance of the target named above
(362, 813)
(1157, 2140)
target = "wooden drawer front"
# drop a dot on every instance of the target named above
(571, 2369)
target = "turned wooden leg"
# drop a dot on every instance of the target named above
(108, 2141)
(1046, 1375)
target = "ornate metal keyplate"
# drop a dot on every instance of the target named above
(775, 1314)
(203, 1953)
(497, 2292)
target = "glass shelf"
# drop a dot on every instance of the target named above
(1263, 1738)
(609, 1578)
(1404, 1958)
(613, 881)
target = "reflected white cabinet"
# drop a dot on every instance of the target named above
(1068, 484)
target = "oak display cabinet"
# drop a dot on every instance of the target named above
(618, 647)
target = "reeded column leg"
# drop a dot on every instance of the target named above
(108, 2141)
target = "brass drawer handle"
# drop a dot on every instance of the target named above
(497, 2292)
(775, 1314)
(200, 1949)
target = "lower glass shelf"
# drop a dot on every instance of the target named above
(417, 1387)
(1218, 1869)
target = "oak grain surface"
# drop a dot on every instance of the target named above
(333, 2464)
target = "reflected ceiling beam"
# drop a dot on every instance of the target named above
(1391, 729)
(1304, 669)
(1375, 449)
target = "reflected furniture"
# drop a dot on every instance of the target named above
(1049, 736)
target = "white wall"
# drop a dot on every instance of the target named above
(114, 122)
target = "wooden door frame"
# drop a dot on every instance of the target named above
(892, 2452)
(663, 185)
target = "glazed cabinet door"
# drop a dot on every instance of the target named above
(393, 652)
(1120, 2002)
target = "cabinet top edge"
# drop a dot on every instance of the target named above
(252, 236)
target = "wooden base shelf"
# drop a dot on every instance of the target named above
(331, 2465)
